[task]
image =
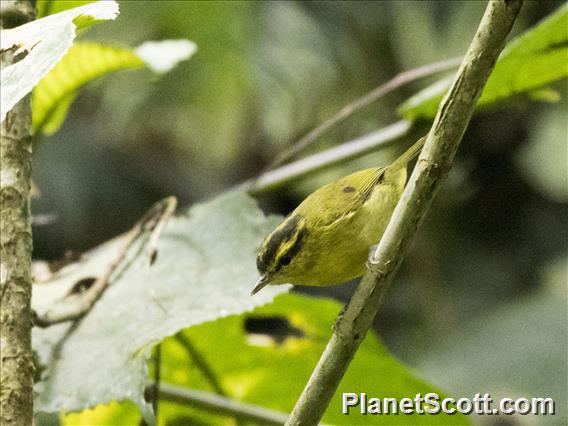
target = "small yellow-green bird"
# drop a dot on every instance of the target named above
(326, 239)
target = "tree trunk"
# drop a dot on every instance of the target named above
(16, 366)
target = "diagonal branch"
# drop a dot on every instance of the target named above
(217, 404)
(349, 150)
(433, 165)
(201, 363)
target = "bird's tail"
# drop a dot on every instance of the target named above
(408, 155)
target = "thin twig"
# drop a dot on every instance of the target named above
(163, 210)
(152, 221)
(346, 151)
(157, 377)
(273, 178)
(218, 404)
(201, 363)
(378, 92)
(433, 165)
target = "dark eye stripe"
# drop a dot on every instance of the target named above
(270, 246)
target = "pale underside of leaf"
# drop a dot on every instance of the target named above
(43, 42)
(204, 270)
(162, 56)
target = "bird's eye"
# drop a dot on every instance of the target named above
(286, 259)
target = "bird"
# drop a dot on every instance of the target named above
(326, 239)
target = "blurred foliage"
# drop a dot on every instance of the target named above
(530, 329)
(534, 59)
(84, 62)
(269, 367)
(544, 160)
(267, 72)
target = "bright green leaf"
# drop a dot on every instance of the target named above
(272, 371)
(87, 61)
(264, 372)
(50, 7)
(533, 60)
(205, 269)
(52, 117)
(82, 63)
(45, 41)
(113, 414)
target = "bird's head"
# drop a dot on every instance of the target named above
(275, 260)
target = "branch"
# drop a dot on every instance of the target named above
(275, 178)
(153, 221)
(433, 165)
(16, 358)
(218, 404)
(346, 151)
(378, 92)
(157, 377)
(201, 363)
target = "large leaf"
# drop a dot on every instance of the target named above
(205, 269)
(533, 60)
(87, 61)
(44, 42)
(271, 369)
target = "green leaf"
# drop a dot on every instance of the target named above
(113, 414)
(531, 61)
(50, 7)
(85, 62)
(271, 370)
(51, 117)
(82, 63)
(262, 371)
(44, 42)
(205, 269)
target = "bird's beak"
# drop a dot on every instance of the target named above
(260, 284)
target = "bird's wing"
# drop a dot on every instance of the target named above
(342, 197)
